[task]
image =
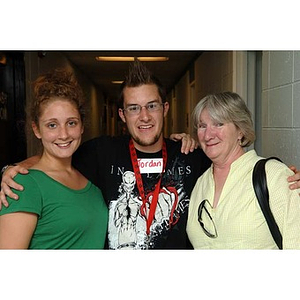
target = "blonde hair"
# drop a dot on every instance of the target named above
(227, 107)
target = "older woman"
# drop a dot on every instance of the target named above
(224, 212)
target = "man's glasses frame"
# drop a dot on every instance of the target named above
(202, 209)
(135, 109)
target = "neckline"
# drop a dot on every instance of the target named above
(82, 190)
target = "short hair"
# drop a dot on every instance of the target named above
(139, 75)
(227, 107)
(56, 84)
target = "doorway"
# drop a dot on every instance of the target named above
(12, 107)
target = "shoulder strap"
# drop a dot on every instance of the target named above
(262, 194)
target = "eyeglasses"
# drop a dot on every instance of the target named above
(136, 109)
(204, 216)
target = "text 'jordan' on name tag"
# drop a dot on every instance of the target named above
(150, 165)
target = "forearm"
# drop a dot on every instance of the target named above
(29, 162)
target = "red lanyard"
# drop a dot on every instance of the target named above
(153, 204)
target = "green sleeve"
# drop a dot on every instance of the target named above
(30, 199)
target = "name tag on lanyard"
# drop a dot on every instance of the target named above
(150, 165)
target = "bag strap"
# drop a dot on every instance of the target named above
(262, 194)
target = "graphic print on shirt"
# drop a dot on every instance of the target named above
(127, 223)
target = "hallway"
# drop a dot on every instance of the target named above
(269, 81)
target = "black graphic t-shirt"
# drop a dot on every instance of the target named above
(106, 162)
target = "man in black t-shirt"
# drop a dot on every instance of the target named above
(107, 163)
(145, 179)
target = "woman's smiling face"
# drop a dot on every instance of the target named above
(60, 128)
(219, 141)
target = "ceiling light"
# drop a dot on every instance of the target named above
(117, 81)
(154, 58)
(131, 58)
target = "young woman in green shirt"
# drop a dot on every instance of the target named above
(59, 208)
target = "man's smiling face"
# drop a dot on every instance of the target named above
(146, 128)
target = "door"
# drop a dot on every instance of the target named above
(12, 107)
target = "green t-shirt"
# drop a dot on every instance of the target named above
(67, 218)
